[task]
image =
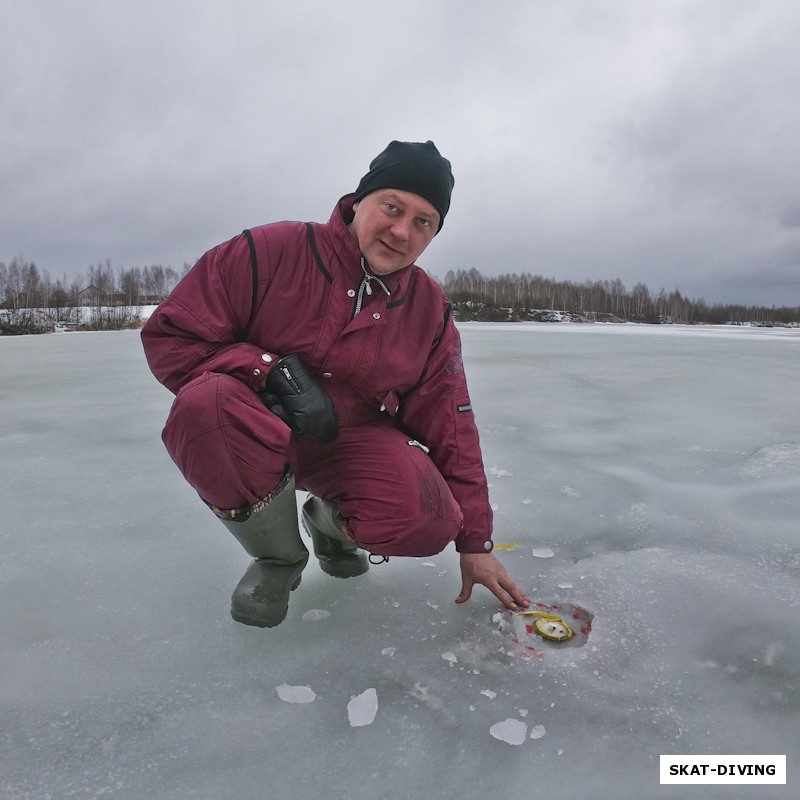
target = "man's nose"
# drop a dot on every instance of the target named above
(400, 229)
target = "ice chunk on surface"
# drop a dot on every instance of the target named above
(295, 694)
(510, 731)
(451, 657)
(315, 615)
(362, 708)
(537, 731)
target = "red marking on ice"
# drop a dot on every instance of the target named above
(528, 628)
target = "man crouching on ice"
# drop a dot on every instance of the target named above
(319, 357)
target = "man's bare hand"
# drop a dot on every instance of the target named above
(485, 569)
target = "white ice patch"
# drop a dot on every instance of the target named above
(315, 615)
(500, 473)
(510, 731)
(773, 461)
(451, 657)
(569, 491)
(542, 552)
(489, 693)
(537, 731)
(362, 708)
(295, 694)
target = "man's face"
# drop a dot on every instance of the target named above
(392, 228)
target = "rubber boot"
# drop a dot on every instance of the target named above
(269, 532)
(338, 555)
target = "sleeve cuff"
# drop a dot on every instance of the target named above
(259, 369)
(474, 546)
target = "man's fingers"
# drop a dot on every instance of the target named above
(503, 596)
(486, 570)
(466, 591)
(510, 595)
(517, 595)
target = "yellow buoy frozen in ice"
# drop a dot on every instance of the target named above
(550, 626)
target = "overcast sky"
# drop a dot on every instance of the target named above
(650, 140)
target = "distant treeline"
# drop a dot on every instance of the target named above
(24, 285)
(525, 297)
(102, 298)
(107, 297)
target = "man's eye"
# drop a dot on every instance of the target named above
(426, 223)
(391, 207)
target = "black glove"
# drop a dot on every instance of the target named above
(295, 397)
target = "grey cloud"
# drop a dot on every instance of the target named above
(653, 141)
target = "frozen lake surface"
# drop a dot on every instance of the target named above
(648, 474)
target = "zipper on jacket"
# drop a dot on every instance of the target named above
(365, 287)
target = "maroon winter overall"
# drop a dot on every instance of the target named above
(406, 468)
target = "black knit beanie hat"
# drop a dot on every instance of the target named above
(414, 167)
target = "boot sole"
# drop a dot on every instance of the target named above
(343, 573)
(259, 621)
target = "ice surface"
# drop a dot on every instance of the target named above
(124, 676)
